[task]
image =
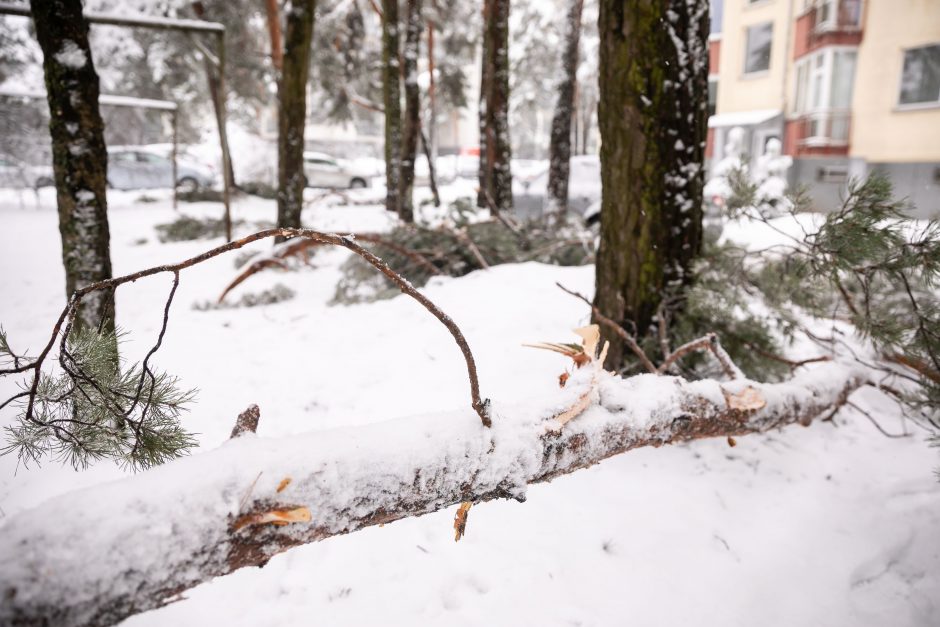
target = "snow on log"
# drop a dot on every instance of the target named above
(96, 556)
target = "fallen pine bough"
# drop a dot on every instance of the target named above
(97, 556)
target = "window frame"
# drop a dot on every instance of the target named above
(913, 106)
(770, 55)
(824, 116)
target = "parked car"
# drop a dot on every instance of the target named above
(584, 189)
(16, 173)
(322, 170)
(134, 168)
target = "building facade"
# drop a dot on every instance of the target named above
(849, 86)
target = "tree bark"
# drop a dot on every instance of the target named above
(495, 148)
(652, 117)
(559, 148)
(273, 15)
(292, 111)
(79, 155)
(201, 517)
(412, 128)
(391, 93)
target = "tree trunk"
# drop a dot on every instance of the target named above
(391, 92)
(652, 118)
(495, 149)
(412, 128)
(79, 155)
(274, 31)
(559, 149)
(204, 516)
(292, 111)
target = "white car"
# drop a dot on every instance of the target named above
(16, 173)
(135, 168)
(584, 189)
(322, 170)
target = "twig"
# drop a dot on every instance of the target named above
(464, 238)
(480, 406)
(707, 342)
(875, 422)
(616, 328)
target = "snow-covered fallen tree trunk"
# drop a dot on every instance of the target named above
(96, 556)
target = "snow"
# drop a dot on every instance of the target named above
(833, 524)
(71, 56)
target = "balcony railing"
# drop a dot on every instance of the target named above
(837, 15)
(825, 128)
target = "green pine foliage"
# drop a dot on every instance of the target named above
(89, 410)
(867, 264)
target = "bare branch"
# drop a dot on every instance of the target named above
(616, 328)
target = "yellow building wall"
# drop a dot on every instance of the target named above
(740, 92)
(882, 131)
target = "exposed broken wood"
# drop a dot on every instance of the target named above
(161, 542)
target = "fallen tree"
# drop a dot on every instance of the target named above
(156, 534)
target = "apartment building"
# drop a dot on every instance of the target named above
(848, 86)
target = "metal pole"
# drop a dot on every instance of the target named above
(223, 141)
(173, 157)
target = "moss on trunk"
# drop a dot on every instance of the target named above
(652, 118)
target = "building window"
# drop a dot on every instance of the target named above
(833, 14)
(920, 79)
(824, 86)
(757, 54)
(715, 12)
(712, 96)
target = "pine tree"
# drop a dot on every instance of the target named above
(412, 128)
(559, 150)
(80, 159)
(652, 117)
(495, 148)
(391, 93)
(292, 111)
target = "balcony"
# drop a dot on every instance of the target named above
(820, 133)
(832, 16)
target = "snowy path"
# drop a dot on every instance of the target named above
(819, 526)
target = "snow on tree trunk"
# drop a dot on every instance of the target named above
(292, 111)
(559, 149)
(409, 146)
(495, 149)
(170, 528)
(391, 93)
(652, 117)
(79, 155)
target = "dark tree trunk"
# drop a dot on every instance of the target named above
(652, 118)
(412, 128)
(559, 149)
(391, 92)
(79, 156)
(292, 111)
(495, 150)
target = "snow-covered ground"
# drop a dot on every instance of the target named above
(831, 525)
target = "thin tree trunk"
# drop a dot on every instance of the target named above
(559, 148)
(292, 111)
(495, 149)
(274, 30)
(412, 122)
(79, 155)
(652, 117)
(213, 511)
(432, 169)
(391, 92)
(432, 94)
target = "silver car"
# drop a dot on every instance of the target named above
(322, 170)
(16, 173)
(584, 189)
(130, 168)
